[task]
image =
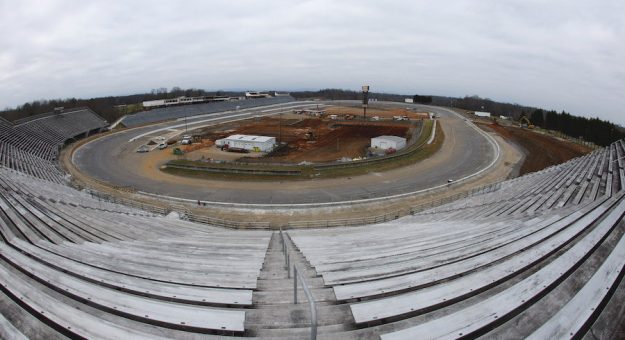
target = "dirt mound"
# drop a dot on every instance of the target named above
(542, 150)
(382, 113)
(314, 139)
(197, 146)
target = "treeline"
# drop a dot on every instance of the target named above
(471, 103)
(595, 130)
(338, 94)
(475, 103)
(110, 108)
(422, 99)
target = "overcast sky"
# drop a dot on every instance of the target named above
(563, 55)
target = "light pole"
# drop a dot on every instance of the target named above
(365, 100)
(280, 128)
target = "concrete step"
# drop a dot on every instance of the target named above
(323, 332)
(285, 284)
(274, 315)
(296, 316)
(286, 296)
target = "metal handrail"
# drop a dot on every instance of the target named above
(298, 275)
(287, 257)
(313, 308)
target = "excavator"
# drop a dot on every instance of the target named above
(524, 122)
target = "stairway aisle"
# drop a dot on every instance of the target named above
(275, 314)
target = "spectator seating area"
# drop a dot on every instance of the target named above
(541, 256)
(72, 259)
(174, 112)
(549, 244)
(32, 145)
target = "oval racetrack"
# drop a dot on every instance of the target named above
(464, 152)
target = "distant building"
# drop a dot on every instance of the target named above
(247, 142)
(256, 94)
(408, 100)
(388, 142)
(482, 114)
(184, 100)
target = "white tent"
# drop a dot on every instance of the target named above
(388, 142)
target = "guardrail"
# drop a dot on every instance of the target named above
(252, 171)
(226, 223)
(187, 215)
(183, 211)
(397, 213)
(130, 203)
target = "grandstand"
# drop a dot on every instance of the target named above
(175, 112)
(538, 256)
(31, 145)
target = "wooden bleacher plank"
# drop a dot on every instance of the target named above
(485, 312)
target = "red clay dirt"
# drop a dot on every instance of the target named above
(542, 150)
(314, 139)
(382, 113)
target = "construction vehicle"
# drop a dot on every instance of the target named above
(186, 139)
(310, 136)
(524, 122)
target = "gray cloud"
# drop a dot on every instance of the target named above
(564, 55)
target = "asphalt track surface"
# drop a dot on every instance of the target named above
(464, 152)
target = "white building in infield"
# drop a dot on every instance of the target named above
(482, 114)
(388, 142)
(247, 142)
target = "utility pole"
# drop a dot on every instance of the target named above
(365, 100)
(280, 128)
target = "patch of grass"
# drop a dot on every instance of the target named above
(119, 126)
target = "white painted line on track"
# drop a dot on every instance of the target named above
(273, 107)
(220, 116)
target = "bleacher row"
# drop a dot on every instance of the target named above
(31, 145)
(572, 182)
(15, 158)
(73, 259)
(539, 258)
(174, 112)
